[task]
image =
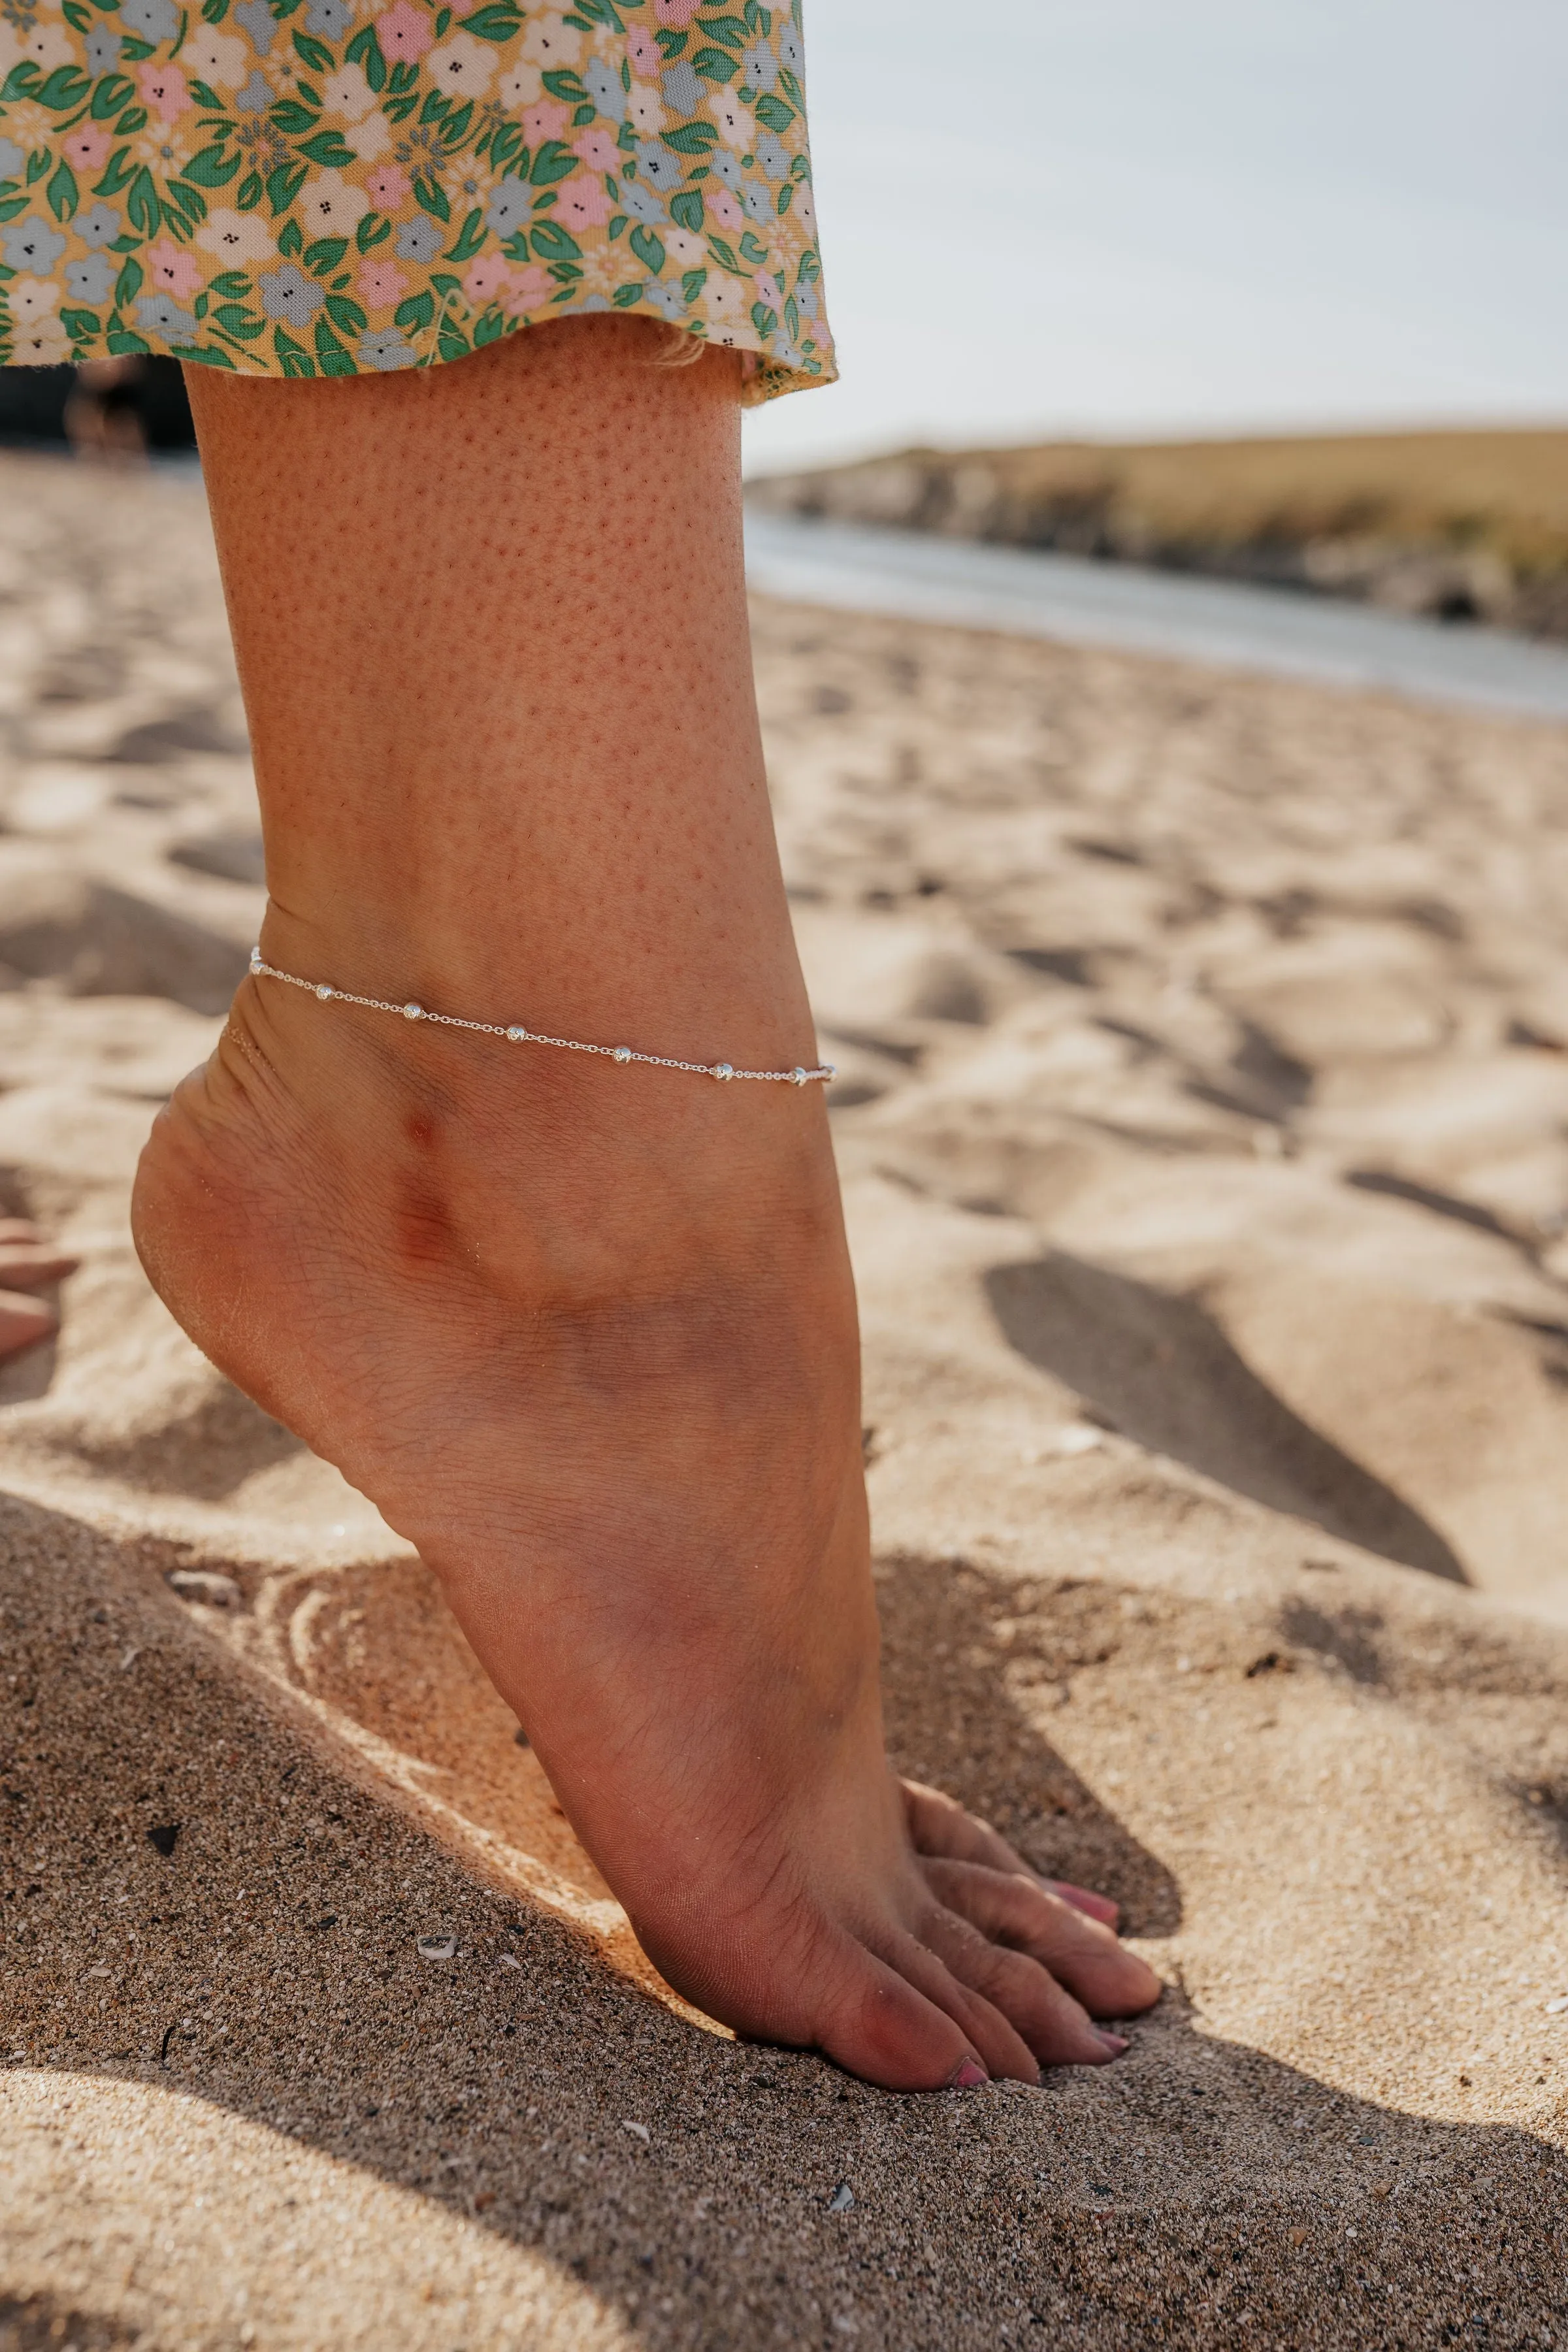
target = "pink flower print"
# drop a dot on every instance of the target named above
(676, 13)
(460, 7)
(381, 283)
(768, 290)
(724, 208)
(486, 277)
(545, 120)
(646, 57)
(584, 203)
(173, 271)
(404, 33)
(164, 90)
(85, 148)
(387, 186)
(597, 149)
(527, 292)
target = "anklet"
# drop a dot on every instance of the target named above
(518, 1035)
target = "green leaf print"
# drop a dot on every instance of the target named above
(111, 95)
(67, 87)
(554, 160)
(724, 255)
(127, 285)
(471, 238)
(121, 341)
(648, 248)
(78, 17)
(730, 30)
(685, 211)
(249, 192)
(432, 198)
(215, 10)
(775, 112)
(313, 53)
(331, 149)
(443, 24)
(569, 86)
(80, 325)
(691, 283)
(324, 254)
(489, 330)
(673, 45)
(345, 314)
(786, 198)
(762, 319)
(553, 243)
(373, 229)
(290, 239)
(334, 359)
(715, 65)
(292, 119)
(292, 357)
(691, 137)
(364, 51)
(619, 226)
(61, 191)
(214, 167)
(624, 296)
(494, 24)
(142, 204)
(237, 320)
(231, 285)
(415, 315)
(754, 250)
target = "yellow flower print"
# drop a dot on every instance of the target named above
(462, 67)
(31, 300)
(551, 41)
(330, 206)
(347, 92)
(164, 148)
(468, 180)
(239, 239)
(30, 126)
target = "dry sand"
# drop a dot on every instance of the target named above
(1204, 1134)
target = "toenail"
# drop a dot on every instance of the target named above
(1115, 2043)
(969, 2076)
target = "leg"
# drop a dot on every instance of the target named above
(586, 1334)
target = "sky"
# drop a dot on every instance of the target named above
(1153, 218)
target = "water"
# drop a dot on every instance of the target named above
(1227, 624)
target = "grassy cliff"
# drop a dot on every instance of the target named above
(1464, 524)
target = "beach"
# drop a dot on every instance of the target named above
(1203, 1119)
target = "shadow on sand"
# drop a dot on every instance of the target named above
(1177, 2198)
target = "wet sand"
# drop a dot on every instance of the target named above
(1204, 1124)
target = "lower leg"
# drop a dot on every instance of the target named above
(586, 1333)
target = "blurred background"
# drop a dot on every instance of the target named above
(1115, 216)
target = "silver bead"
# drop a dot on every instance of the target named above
(622, 1053)
(722, 1070)
(518, 1036)
(797, 1076)
(325, 993)
(411, 1012)
(256, 959)
(830, 1070)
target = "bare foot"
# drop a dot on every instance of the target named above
(29, 1261)
(587, 1337)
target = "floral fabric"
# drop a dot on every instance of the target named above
(329, 188)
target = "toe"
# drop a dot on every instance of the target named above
(883, 2026)
(22, 1322)
(939, 1826)
(1056, 2028)
(1022, 1914)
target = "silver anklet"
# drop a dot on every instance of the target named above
(517, 1035)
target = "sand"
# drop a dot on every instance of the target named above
(1203, 1127)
